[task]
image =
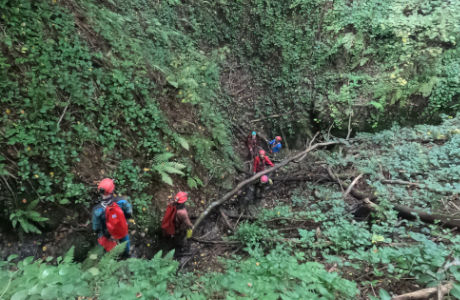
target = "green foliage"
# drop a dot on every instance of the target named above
(164, 167)
(85, 93)
(422, 261)
(104, 277)
(26, 218)
(276, 275)
(377, 61)
(400, 155)
(252, 234)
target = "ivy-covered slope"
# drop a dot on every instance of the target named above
(92, 89)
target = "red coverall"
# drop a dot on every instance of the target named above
(260, 163)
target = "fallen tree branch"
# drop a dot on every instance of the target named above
(410, 213)
(352, 184)
(426, 293)
(404, 211)
(256, 176)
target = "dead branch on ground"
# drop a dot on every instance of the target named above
(406, 212)
(441, 290)
(352, 184)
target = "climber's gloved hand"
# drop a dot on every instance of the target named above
(189, 233)
(131, 221)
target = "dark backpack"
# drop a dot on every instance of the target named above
(115, 221)
(168, 223)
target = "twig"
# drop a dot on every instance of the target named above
(329, 131)
(236, 224)
(397, 181)
(226, 221)
(335, 178)
(375, 295)
(9, 188)
(355, 181)
(349, 126)
(63, 113)
(309, 145)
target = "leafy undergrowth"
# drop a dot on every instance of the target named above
(87, 91)
(305, 246)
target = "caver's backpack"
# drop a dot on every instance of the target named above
(115, 221)
(168, 223)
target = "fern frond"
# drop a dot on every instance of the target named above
(191, 183)
(164, 157)
(172, 169)
(166, 178)
(183, 142)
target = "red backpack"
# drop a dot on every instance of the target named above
(168, 223)
(115, 221)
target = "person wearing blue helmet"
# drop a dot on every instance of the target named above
(252, 144)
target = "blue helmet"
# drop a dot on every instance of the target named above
(254, 133)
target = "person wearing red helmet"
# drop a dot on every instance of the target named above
(275, 144)
(183, 225)
(109, 217)
(261, 161)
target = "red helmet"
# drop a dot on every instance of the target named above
(106, 186)
(261, 152)
(181, 197)
(278, 138)
(264, 179)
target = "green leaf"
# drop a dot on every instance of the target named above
(94, 271)
(384, 295)
(377, 238)
(166, 178)
(183, 142)
(12, 256)
(455, 291)
(377, 105)
(21, 295)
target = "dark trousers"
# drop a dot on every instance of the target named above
(181, 244)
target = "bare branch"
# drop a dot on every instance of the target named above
(63, 113)
(355, 181)
(426, 293)
(349, 126)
